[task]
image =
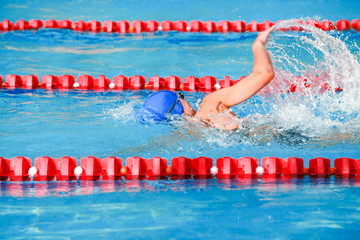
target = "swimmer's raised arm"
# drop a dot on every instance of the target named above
(261, 75)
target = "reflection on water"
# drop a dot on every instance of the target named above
(78, 188)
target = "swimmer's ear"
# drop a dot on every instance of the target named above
(188, 110)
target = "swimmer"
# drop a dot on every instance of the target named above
(161, 105)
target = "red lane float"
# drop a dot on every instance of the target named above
(35, 24)
(46, 169)
(85, 82)
(30, 81)
(201, 167)
(151, 26)
(238, 26)
(80, 26)
(49, 82)
(101, 83)
(94, 26)
(167, 26)
(22, 25)
(91, 168)
(180, 26)
(225, 26)
(208, 83)
(123, 26)
(345, 167)
(50, 23)
(199, 26)
(191, 84)
(235, 26)
(181, 168)
(247, 167)
(27, 82)
(111, 168)
(4, 169)
(273, 167)
(293, 167)
(19, 168)
(121, 82)
(110, 26)
(6, 25)
(13, 81)
(227, 167)
(226, 82)
(136, 168)
(195, 26)
(357, 165)
(326, 25)
(138, 26)
(343, 25)
(252, 26)
(65, 24)
(264, 26)
(209, 27)
(355, 24)
(66, 82)
(319, 167)
(137, 82)
(172, 83)
(156, 83)
(156, 168)
(65, 167)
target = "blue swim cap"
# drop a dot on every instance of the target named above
(160, 105)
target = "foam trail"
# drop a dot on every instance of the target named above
(123, 113)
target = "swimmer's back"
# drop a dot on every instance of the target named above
(214, 112)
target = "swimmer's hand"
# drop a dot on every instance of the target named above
(263, 36)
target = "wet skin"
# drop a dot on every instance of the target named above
(215, 107)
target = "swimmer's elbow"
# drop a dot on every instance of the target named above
(190, 112)
(270, 75)
(266, 76)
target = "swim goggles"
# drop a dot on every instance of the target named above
(179, 96)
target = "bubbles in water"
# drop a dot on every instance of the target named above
(123, 113)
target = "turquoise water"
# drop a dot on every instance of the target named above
(176, 10)
(77, 123)
(182, 210)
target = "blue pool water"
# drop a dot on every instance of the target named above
(55, 123)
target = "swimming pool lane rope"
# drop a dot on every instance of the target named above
(92, 168)
(123, 27)
(137, 82)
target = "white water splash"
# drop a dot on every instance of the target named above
(123, 113)
(312, 110)
(315, 113)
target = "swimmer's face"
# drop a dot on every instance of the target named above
(188, 110)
